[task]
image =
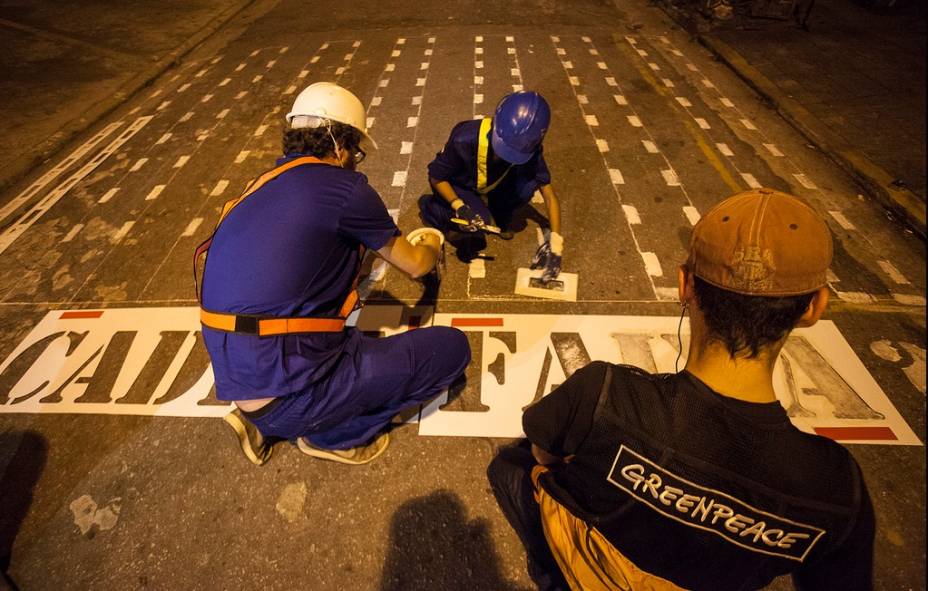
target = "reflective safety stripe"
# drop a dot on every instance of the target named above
(483, 149)
(271, 326)
(587, 559)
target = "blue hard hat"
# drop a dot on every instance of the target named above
(519, 125)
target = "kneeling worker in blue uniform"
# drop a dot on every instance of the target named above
(281, 279)
(500, 159)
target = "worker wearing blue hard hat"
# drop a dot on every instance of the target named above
(498, 159)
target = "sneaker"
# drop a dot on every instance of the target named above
(257, 449)
(361, 454)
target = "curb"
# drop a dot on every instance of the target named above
(21, 166)
(905, 204)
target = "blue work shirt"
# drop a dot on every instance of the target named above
(457, 162)
(289, 249)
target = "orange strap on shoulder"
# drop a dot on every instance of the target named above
(264, 325)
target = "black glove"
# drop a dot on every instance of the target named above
(474, 221)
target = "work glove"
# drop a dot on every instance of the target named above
(474, 221)
(548, 256)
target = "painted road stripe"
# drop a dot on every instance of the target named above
(574, 80)
(750, 180)
(155, 94)
(138, 164)
(611, 81)
(615, 175)
(412, 121)
(14, 231)
(670, 177)
(667, 82)
(591, 120)
(270, 64)
(724, 149)
(181, 161)
(855, 297)
(183, 87)
(219, 188)
(192, 227)
(691, 213)
(257, 79)
(909, 299)
(477, 269)
(375, 102)
(163, 105)
(582, 99)
(303, 74)
(406, 148)
(707, 83)
(370, 122)
(59, 168)
(254, 53)
(692, 68)
(72, 233)
(842, 220)
(631, 214)
(163, 138)
(121, 232)
(399, 178)
(108, 195)
(201, 73)
(774, 151)
(290, 89)
(684, 102)
(654, 66)
(206, 98)
(260, 131)
(804, 181)
(702, 123)
(225, 81)
(185, 117)
(634, 121)
(620, 99)
(727, 102)
(602, 146)
(748, 124)
(649, 147)
(241, 95)
(893, 272)
(568, 65)
(240, 67)
(153, 194)
(241, 156)
(652, 264)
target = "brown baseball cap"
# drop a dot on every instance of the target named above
(762, 242)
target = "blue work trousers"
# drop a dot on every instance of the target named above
(368, 388)
(498, 208)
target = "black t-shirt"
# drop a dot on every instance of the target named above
(701, 489)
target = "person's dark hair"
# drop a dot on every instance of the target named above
(747, 323)
(316, 141)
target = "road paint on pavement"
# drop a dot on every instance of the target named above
(684, 102)
(108, 195)
(121, 232)
(220, 188)
(206, 98)
(634, 121)
(667, 82)
(163, 138)
(183, 87)
(399, 178)
(707, 83)
(185, 117)
(257, 78)
(222, 114)
(406, 148)
(290, 89)
(652, 265)
(854, 297)
(181, 161)
(192, 227)
(702, 123)
(602, 146)
(774, 151)
(260, 130)
(43, 181)
(163, 105)
(155, 191)
(748, 124)
(615, 175)
(650, 147)
(842, 220)
(804, 181)
(138, 164)
(610, 80)
(412, 121)
(670, 177)
(591, 120)
(727, 102)
(724, 149)
(15, 230)
(691, 213)
(750, 180)
(225, 81)
(893, 272)
(620, 99)
(155, 94)
(631, 214)
(909, 299)
(477, 269)
(72, 233)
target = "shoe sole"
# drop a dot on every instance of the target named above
(323, 454)
(243, 441)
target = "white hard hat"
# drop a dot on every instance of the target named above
(326, 100)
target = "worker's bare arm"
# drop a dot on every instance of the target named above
(553, 206)
(416, 260)
(445, 191)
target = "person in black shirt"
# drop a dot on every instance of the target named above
(698, 480)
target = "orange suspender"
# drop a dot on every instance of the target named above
(270, 325)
